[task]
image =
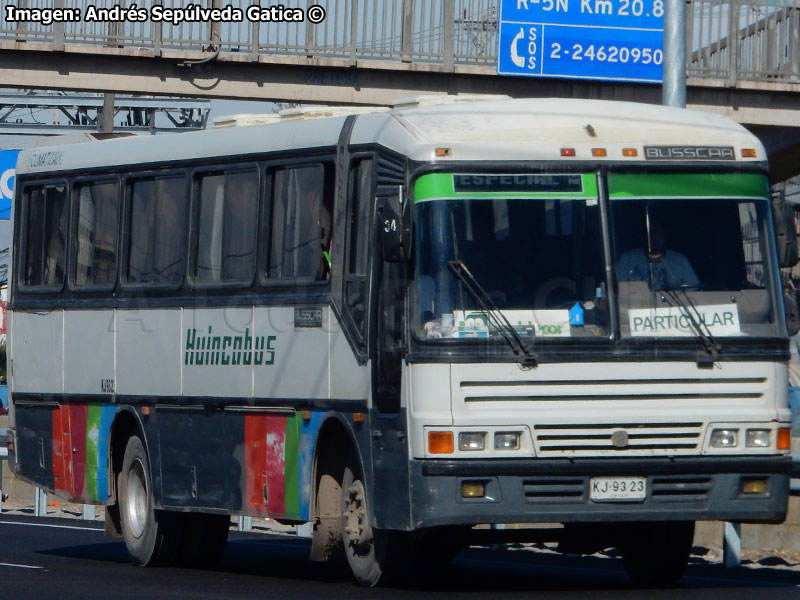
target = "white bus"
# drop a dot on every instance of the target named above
(400, 325)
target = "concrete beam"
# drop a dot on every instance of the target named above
(335, 81)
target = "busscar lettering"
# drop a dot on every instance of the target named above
(689, 152)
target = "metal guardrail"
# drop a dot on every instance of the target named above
(732, 40)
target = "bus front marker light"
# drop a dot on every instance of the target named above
(506, 440)
(754, 486)
(440, 442)
(630, 152)
(757, 438)
(724, 438)
(749, 153)
(470, 441)
(473, 489)
(568, 152)
(784, 438)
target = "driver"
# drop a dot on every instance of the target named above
(669, 269)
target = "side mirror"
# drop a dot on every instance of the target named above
(394, 220)
(785, 233)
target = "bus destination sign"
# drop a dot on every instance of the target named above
(529, 183)
(615, 40)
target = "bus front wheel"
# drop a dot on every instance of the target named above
(374, 555)
(656, 554)
(143, 528)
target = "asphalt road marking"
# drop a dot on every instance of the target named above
(20, 566)
(50, 525)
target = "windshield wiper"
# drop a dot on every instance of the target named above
(527, 358)
(702, 332)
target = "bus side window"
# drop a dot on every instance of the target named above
(46, 233)
(157, 240)
(227, 219)
(359, 231)
(96, 248)
(301, 222)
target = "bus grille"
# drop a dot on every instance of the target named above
(554, 489)
(661, 390)
(681, 488)
(618, 439)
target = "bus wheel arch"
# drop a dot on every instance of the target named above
(335, 445)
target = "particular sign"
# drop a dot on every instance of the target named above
(717, 319)
(619, 40)
(8, 165)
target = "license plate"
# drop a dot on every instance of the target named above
(617, 489)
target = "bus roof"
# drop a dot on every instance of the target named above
(522, 129)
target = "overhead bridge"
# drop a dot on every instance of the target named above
(743, 56)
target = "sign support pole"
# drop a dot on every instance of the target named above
(673, 91)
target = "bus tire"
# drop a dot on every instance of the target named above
(374, 555)
(656, 554)
(143, 528)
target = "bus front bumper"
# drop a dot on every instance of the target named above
(559, 490)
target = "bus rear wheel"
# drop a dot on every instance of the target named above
(143, 528)
(656, 554)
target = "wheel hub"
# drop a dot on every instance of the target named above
(357, 530)
(136, 500)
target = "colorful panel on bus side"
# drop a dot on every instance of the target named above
(80, 450)
(278, 464)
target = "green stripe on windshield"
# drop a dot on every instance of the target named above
(687, 185)
(439, 186)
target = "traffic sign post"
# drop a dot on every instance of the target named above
(619, 40)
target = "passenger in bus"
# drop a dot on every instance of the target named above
(663, 268)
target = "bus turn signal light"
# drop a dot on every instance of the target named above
(784, 438)
(441, 442)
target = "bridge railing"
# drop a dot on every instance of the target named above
(744, 39)
(733, 40)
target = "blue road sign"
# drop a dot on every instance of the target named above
(8, 164)
(620, 40)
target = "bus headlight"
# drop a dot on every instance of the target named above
(506, 440)
(724, 438)
(471, 440)
(757, 438)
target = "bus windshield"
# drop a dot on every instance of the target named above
(692, 253)
(531, 243)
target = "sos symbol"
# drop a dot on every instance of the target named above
(7, 183)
